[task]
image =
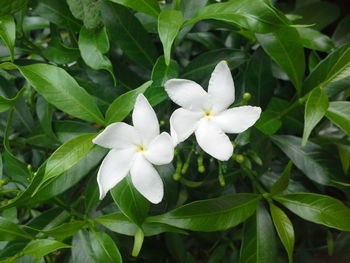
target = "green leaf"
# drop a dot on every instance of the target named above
(259, 241)
(11, 231)
(332, 73)
(254, 15)
(285, 48)
(282, 183)
(8, 32)
(65, 230)
(258, 79)
(339, 113)
(341, 34)
(57, 12)
(284, 229)
(211, 215)
(320, 14)
(149, 7)
(315, 162)
(268, 122)
(59, 53)
(6, 104)
(169, 24)
(128, 33)
(123, 105)
(11, 6)
(313, 39)
(133, 205)
(62, 91)
(41, 247)
(201, 67)
(86, 10)
(315, 108)
(119, 223)
(93, 44)
(320, 209)
(104, 248)
(68, 155)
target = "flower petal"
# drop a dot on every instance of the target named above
(161, 150)
(146, 180)
(114, 168)
(118, 135)
(221, 87)
(213, 140)
(145, 119)
(238, 119)
(187, 94)
(183, 123)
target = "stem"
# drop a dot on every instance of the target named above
(138, 241)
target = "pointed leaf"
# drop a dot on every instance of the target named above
(11, 231)
(6, 104)
(313, 39)
(339, 113)
(320, 209)
(284, 229)
(104, 248)
(41, 247)
(149, 7)
(8, 32)
(211, 215)
(282, 183)
(316, 107)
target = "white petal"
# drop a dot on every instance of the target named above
(113, 169)
(213, 140)
(146, 180)
(183, 123)
(145, 119)
(221, 87)
(161, 150)
(238, 119)
(118, 135)
(187, 94)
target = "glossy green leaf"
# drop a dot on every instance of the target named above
(285, 48)
(44, 112)
(104, 248)
(268, 123)
(123, 105)
(313, 160)
(211, 215)
(339, 113)
(68, 155)
(8, 32)
(319, 14)
(320, 209)
(313, 60)
(41, 247)
(57, 12)
(341, 34)
(332, 73)
(6, 104)
(315, 108)
(258, 79)
(149, 7)
(128, 33)
(254, 15)
(119, 223)
(59, 53)
(62, 91)
(65, 230)
(133, 205)
(11, 6)
(282, 183)
(284, 229)
(169, 24)
(93, 44)
(313, 39)
(259, 240)
(11, 231)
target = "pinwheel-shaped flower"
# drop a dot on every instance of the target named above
(207, 114)
(134, 149)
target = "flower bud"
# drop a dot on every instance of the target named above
(247, 96)
(239, 158)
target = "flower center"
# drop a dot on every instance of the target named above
(140, 148)
(208, 114)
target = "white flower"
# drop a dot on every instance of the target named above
(207, 114)
(134, 149)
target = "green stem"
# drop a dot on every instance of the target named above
(138, 241)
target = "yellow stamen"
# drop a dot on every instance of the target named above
(208, 114)
(140, 148)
